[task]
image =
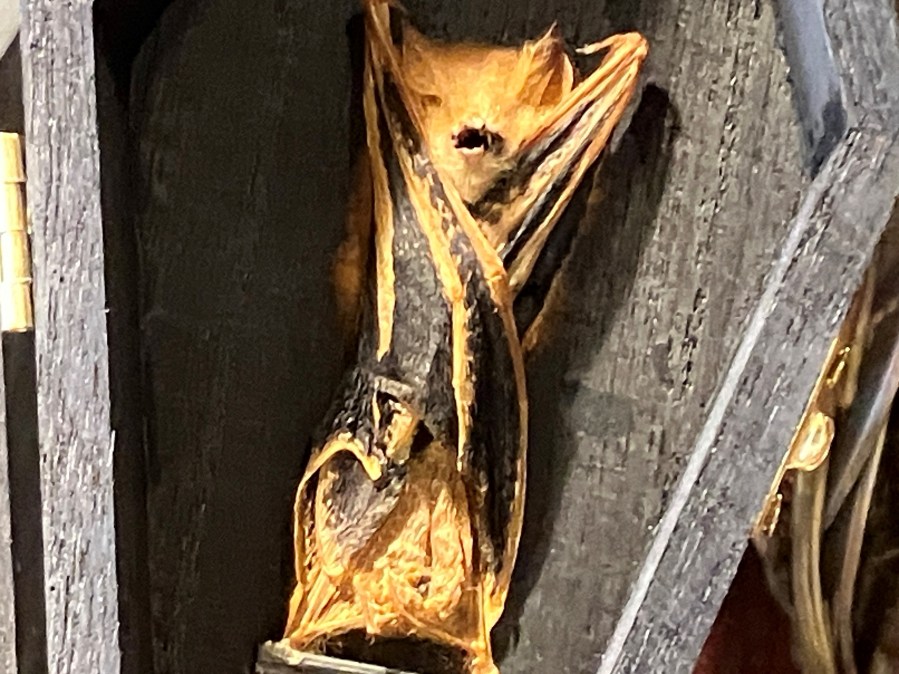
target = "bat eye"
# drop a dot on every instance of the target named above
(472, 140)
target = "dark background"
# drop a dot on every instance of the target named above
(11, 112)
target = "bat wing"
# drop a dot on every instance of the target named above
(439, 357)
(524, 203)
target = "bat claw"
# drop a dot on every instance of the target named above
(634, 42)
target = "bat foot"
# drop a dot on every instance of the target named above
(483, 665)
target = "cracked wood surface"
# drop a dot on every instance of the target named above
(699, 540)
(74, 430)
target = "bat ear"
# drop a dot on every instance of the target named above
(555, 156)
(417, 57)
(544, 74)
(415, 45)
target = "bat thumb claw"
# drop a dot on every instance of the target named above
(633, 42)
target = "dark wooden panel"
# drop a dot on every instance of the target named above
(7, 586)
(240, 113)
(76, 476)
(241, 116)
(123, 326)
(702, 538)
(11, 111)
(10, 120)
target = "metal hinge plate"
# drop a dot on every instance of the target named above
(16, 309)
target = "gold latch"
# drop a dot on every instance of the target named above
(16, 310)
(813, 438)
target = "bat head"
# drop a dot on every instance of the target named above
(479, 104)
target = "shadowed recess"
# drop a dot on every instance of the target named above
(813, 72)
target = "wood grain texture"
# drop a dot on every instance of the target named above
(123, 323)
(754, 416)
(699, 541)
(70, 318)
(19, 366)
(240, 115)
(241, 119)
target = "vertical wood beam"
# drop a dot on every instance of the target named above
(75, 437)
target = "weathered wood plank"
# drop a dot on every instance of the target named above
(702, 535)
(123, 327)
(70, 319)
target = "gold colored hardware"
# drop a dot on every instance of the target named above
(770, 515)
(811, 442)
(838, 367)
(16, 309)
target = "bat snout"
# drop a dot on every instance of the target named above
(473, 140)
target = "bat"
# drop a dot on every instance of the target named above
(409, 512)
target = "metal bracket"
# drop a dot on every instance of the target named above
(279, 658)
(16, 309)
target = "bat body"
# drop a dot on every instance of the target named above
(410, 510)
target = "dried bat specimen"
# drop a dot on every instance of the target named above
(409, 513)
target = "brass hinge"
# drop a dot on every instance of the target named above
(810, 446)
(16, 310)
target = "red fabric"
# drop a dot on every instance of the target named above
(751, 634)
